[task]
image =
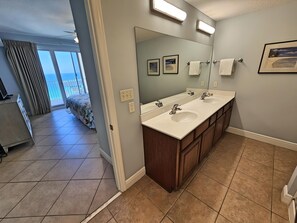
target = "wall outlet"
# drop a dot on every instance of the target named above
(215, 84)
(126, 94)
(131, 107)
(202, 83)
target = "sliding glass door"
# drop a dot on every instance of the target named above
(70, 73)
(51, 78)
(64, 74)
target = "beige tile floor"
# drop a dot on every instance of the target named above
(62, 178)
(240, 182)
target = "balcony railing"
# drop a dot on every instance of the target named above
(71, 87)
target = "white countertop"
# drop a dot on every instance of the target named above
(202, 108)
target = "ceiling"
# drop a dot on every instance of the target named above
(45, 18)
(50, 18)
(223, 9)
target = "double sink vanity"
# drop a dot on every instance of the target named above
(174, 144)
(182, 120)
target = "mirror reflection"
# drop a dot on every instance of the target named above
(164, 71)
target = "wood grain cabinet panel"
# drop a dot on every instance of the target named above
(219, 128)
(227, 118)
(207, 141)
(189, 158)
(161, 154)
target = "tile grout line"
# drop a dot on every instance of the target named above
(63, 189)
(271, 204)
(228, 188)
(41, 180)
(71, 179)
(94, 196)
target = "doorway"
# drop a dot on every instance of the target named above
(64, 74)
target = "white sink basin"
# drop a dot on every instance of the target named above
(184, 116)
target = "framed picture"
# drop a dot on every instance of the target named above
(280, 57)
(170, 64)
(153, 67)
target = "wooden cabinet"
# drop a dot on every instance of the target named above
(207, 141)
(15, 125)
(189, 158)
(227, 118)
(219, 128)
(170, 161)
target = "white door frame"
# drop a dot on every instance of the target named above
(100, 54)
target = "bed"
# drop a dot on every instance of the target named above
(80, 106)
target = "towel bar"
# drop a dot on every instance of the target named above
(240, 60)
(207, 62)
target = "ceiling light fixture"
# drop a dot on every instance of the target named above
(205, 27)
(169, 10)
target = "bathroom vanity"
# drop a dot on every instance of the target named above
(175, 144)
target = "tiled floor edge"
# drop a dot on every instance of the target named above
(89, 218)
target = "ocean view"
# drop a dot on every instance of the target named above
(71, 85)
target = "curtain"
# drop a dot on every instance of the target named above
(26, 66)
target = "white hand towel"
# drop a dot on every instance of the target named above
(194, 68)
(226, 66)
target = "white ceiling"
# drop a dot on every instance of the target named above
(50, 18)
(45, 18)
(223, 9)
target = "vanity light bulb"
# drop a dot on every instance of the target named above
(169, 10)
(205, 27)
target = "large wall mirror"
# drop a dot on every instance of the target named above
(163, 69)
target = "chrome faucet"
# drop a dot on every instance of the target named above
(206, 94)
(174, 109)
(159, 103)
(191, 93)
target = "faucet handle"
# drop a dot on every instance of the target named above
(175, 106)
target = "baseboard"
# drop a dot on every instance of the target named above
(263, 138)
(106, 156)
(135, 177)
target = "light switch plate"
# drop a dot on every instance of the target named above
(131, 107)
(202, 83)
(215, 83)
(126, 94)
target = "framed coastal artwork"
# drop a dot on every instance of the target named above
(280, 57)
(153, 67)
(170, 64)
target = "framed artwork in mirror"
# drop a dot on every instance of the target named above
(279, 57)
(153, 67)
(170, 64)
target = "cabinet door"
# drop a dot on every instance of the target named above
(207, 139)
(219, 129)
(227, 118)
(188, 160)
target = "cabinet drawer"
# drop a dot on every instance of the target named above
(212, 119)
(201, 128)
(187, 140)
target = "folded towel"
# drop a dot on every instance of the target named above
(226, 66)
(194, 68)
